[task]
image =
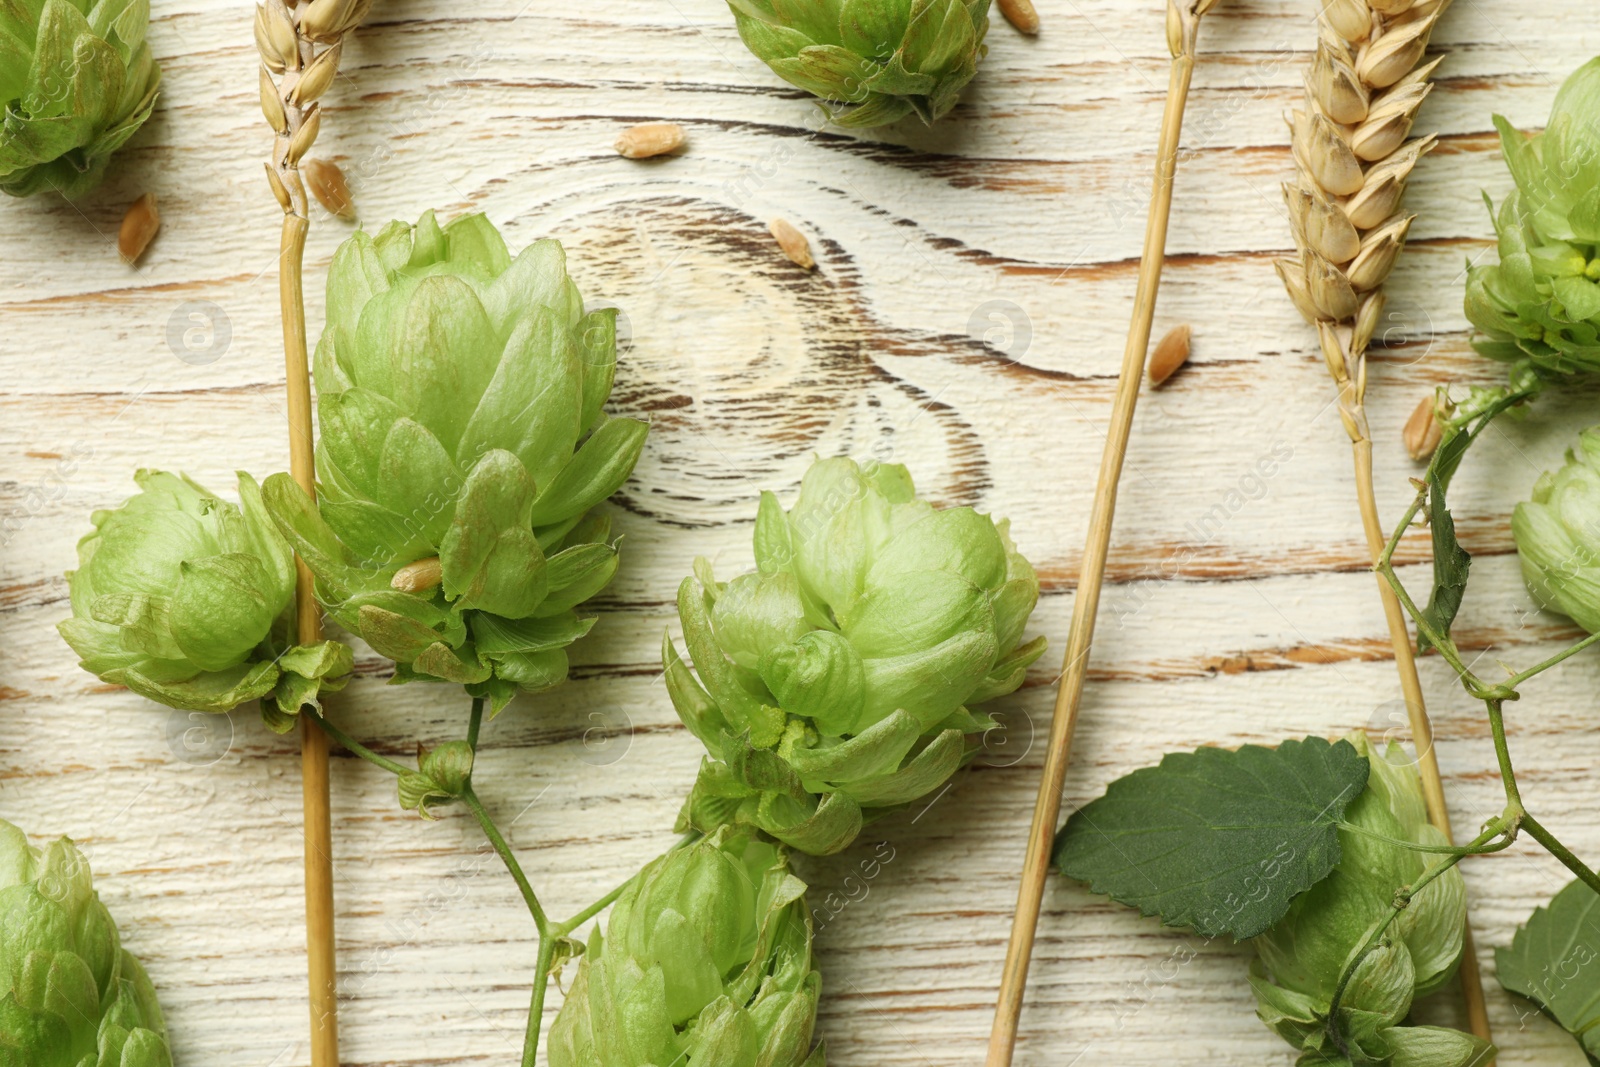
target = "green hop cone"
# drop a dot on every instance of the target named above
(834, 682)
(705, 962)
(885, 58)
(1541, 302)
(76, 81)
(462, 446)
(70, 994)
(1301, 959)
(1558, 535)
(185, 598)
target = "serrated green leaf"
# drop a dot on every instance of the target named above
(1451, 564)
(1554, 961)
(1217, 840)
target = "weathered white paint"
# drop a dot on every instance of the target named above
(1031, 194)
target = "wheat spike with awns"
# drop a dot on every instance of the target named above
(1353, 156)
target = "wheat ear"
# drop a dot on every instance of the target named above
(1352, 161)
(301, 42)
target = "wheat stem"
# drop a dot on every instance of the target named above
(294, 74)
(1365, 85)
(1183, 27)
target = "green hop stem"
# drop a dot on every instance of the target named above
(1446, 459)
(1437, 850)
(1537, 831)
(354, 746)
(549, 933)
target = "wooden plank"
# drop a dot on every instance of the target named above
(974, 281)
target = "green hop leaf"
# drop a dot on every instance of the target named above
(70, 994)
(1554, 961)
(73, 88)
(1217, 840)
(1451, 563)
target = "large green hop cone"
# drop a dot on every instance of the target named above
(185, 598)
(1558, 535)
(1302, 957)
(881, 58)
(76, 81)
(462, 445)
(835, 682)
(705, 962)
(1541, 302)
(70, 994)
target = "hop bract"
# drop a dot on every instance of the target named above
(184, 598)
(1558, 535)
(462, 445)
(888, 58)
(834, 682)
(1542, 301)
(76, 81)
(70, 994)
(706, 962)
(1302, 957)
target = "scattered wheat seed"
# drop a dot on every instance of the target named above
(793, 243)
(1171, 352)
(650, 140)
(418, 577)
(1021, 14)
(1423, 432)
(138, 228)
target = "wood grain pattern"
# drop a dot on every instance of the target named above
(966, 317)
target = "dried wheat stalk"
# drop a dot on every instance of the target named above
(301, 42)
(1352, 160)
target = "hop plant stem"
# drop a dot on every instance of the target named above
(550, 933)
(294, 74)
(1183, 27)
(1366, 83)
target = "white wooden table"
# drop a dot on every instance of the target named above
(966, 318)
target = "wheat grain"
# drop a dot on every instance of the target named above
(1021, 14)
(1422, 433)
(650, 140)
(1171, 353)
(792, 242)
(328, 185)
(138, 229)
